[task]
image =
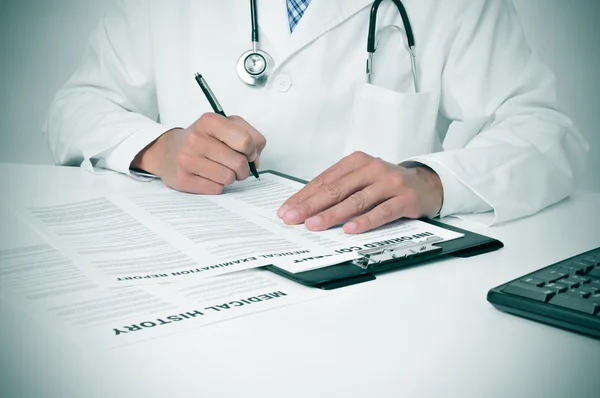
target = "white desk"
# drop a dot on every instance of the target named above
(425, 331)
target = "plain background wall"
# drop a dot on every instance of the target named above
(41, 42)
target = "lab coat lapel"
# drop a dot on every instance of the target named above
(320, 17)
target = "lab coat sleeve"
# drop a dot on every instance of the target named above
(108, 111)
(511, 148)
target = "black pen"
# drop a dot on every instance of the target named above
(210, 96)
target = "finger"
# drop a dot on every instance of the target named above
(356, 204)
(186, 182)
(260, 142)
(344, 167)
(220, 153)
(206, 168)
(235, 135)
(329, 195)
(383, 213)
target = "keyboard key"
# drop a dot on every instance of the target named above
(529, 291)
(556, 288)
(595, 298)
(595, 282)
(584, 263)
(578, 293)
(568, 283)
(589, 289)
(595, 261)
(533, 281)
(581, 279)
(573, 302)
(595, 272)
(575, 268)
(551, 275)
(565, 270)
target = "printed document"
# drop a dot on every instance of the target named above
(156, 235)
(45, 284)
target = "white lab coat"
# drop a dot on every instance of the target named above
(486, 120)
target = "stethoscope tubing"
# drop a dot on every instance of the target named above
(254, 21)
(373, 24)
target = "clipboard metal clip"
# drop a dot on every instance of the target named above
(402, 251)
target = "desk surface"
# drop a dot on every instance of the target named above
(409, 333)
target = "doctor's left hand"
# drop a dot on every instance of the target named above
(364, 193)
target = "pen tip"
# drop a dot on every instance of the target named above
(198, 75)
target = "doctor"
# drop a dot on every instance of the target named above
(470, 124)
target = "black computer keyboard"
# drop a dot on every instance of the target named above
(565, 294)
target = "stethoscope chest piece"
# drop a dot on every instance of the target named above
(254, 67)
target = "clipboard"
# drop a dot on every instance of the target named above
(387, 258)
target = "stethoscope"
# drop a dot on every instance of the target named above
(254, 66)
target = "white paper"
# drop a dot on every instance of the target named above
(220, 230)
(159, 235)
(44, 283)
(107, 241)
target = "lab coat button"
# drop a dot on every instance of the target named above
(283, 83)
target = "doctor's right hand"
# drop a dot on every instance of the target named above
(209, 154)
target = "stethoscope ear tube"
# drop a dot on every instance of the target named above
(410, 40)
(373, 25)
